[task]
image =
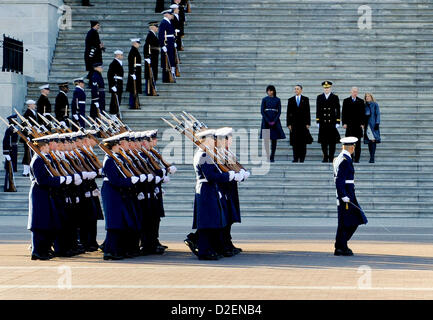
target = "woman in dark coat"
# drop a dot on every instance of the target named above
(271, 111)
(372, 132)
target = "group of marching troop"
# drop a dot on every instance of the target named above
(64, 199)
(216, 202)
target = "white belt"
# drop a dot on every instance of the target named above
(271, 110)
(350, 181)
(170, 36)
(138, 64)
(117, 77)
(106, 179)
(202, 180)
(82, 102)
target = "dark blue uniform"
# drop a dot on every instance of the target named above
(209, 204)
(78, 105)
(43, 220)
(120, 215)
(10, 146)
(166, 31)
(98, 94)
(350, 215)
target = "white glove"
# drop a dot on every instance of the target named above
(76, 117)
(164, 48)
(46, 114)
(345, 199)
(337, 125)
(143, 177)
(163, 171)
(77, 200)
(62, 179)
(114, 89)
(8, 157)
(150, 177)
(88, 194)
(77, 179)
(96, 193)
(147, 60)
(239, 176)
(68, 179)
(133, 76)
(89, 175)
(172, 169)
(176, 30)
(231, 175)
(134, 179)
(97, 105)
(247, 174)
(100, 171)
(157, 179)
(175, 45)
(318, 125)
(63, 123)
(140, 196)
(166, 179)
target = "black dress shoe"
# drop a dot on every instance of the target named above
(161, 245)
(213, 256)
(64, 254)
(109, 256)
(158, 250)
(92, 248)
(36, 256)
(228, 253)
(191, 245)
(347, 252)
(325, 161)
(338, 252)
(237, 250)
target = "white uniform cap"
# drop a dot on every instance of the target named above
(30, 101)
(348, 140)
(118, 52)
(45, 86)
(205, 133)
(174, 6)
(135, 39)
(224, 132)
(117, 137)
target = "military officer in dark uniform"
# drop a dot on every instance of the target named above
(166, 38)
(298, 122)
(328, 121)
(353, 118)
(10, 144)
(30, 113)
(78, 103)
(61, 108)
(10, 140)
(97, 87)
(350, 214)
(151, 54)
(93, 48)
(115, 81)
(43, 104)
(178, 26)
(134, 71)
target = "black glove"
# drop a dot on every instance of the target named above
(376, 127)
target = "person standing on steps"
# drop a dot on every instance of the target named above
(352, 118)
(271, 111)
(61, 107)
(93, 48)
(372, 132)
(43, 104)
(298, 122)
(97, 87)
(328, 120)
(350, 214)
(115, 82)
(167, 43)
(134, 72)
(151, 56)
(78, 103)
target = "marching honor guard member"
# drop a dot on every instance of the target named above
(115, 81)
(209, 204)
(353, 118)
(166, 38)
(43, 104)
(44, 220)
(151, 54)
(78, 103)
(350, 214)
(61, 108)
(178, 26)
(93, 48)
(30, 113)
(134, 84)
(328, 120)
(97, 86)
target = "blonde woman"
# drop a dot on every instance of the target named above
(372, 132)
